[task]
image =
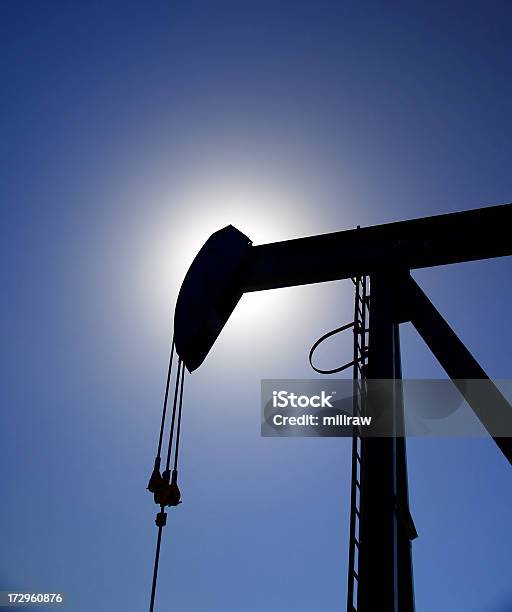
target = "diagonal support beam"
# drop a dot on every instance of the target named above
(457, 362)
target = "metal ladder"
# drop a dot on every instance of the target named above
(361, 317)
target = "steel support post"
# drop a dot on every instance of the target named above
(386, 530)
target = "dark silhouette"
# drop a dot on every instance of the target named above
(381, 531)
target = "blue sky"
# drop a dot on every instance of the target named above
(130, 132)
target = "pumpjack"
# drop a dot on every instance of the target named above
(379, 260)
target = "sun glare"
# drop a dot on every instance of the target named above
(186, 222)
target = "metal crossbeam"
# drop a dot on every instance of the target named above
(418, 243)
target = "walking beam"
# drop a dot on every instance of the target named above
(228, 265)
(420, 243)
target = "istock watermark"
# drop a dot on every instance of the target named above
(385, 408)
(283, 399)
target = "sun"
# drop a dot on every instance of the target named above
(264, 213)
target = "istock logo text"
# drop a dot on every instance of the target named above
(283, 399)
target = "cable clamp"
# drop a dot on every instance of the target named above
(161, 519)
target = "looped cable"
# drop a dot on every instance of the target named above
(320, 340)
